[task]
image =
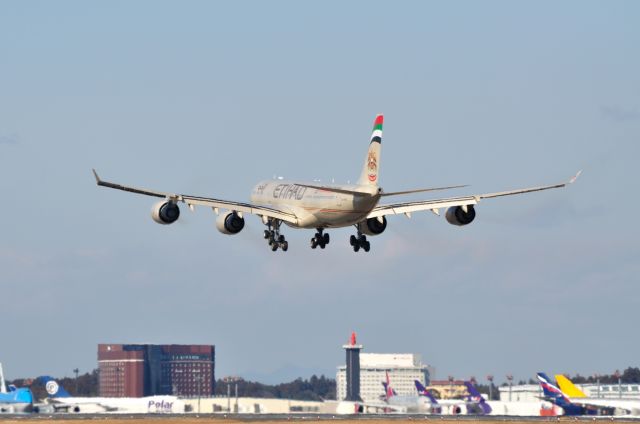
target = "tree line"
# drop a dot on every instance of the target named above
(314, 388)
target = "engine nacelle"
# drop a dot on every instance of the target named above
(457, 216)
(372, 227)
(165, 212)
(230, 223)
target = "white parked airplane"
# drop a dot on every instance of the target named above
(315, 206)
(61, 401)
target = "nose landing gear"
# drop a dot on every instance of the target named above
(320, 239)
(273, 236)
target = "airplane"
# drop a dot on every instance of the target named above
(422, 391)
(480, 405)
(392, 402)
(554, 395)
(318, 206)
(474, 403)
(14, 400)
(604, 406)
(62, 401)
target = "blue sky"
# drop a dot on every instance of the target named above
(208, 98)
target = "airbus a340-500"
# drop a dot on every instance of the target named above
(319, 207)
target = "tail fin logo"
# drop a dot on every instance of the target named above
(372, 166)
(51, 387)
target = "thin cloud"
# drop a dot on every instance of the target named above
(620, 114)
(9, 139)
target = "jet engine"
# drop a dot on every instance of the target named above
(457, 216)
(230, 223)
(372, 227)
(165, 212)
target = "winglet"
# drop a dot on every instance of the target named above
(95, 174)
(575, 177)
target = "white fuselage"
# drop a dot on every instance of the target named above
(412, 404)
(315, 207)
(149, 404)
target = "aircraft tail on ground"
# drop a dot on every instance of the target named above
(568, 387)
(557, 397)
(54, 390)
(476, 397)
(388, 390)
(422, 391)
(3, 388)
(369, 175)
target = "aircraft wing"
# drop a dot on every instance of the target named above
(213, 203)
(435, 205)
(87, 406)
(630, 406)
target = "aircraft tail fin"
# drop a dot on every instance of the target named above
(551, 391)
(369, 175)
(3, 388)
(568, 388)
(54, 390)
(475, 396)
(422, 391)
(388, 390)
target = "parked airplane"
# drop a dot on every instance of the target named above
(14, 400)
(608, 406)
(554, 395)
(473, 404)
(423, 391)
(319, 207)
(392, 402)
(62, 401)
(479, 404)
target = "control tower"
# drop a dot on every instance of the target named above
(353, 369)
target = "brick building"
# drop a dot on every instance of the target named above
(137, 370)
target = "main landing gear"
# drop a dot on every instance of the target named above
(320, 239)
(360, 242)
(273, 236)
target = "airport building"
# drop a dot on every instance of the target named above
(403, 369)
(611, 391)
(521, 393)
(137, 370)
(533, 392)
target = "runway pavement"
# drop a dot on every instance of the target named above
(287, 419)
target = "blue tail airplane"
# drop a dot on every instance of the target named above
(554, 395)
(15, 399)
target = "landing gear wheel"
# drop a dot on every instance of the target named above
(320, 239)
(359, 242)
(274, 238)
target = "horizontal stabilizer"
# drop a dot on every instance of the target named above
(421, 190)
(336, 189)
